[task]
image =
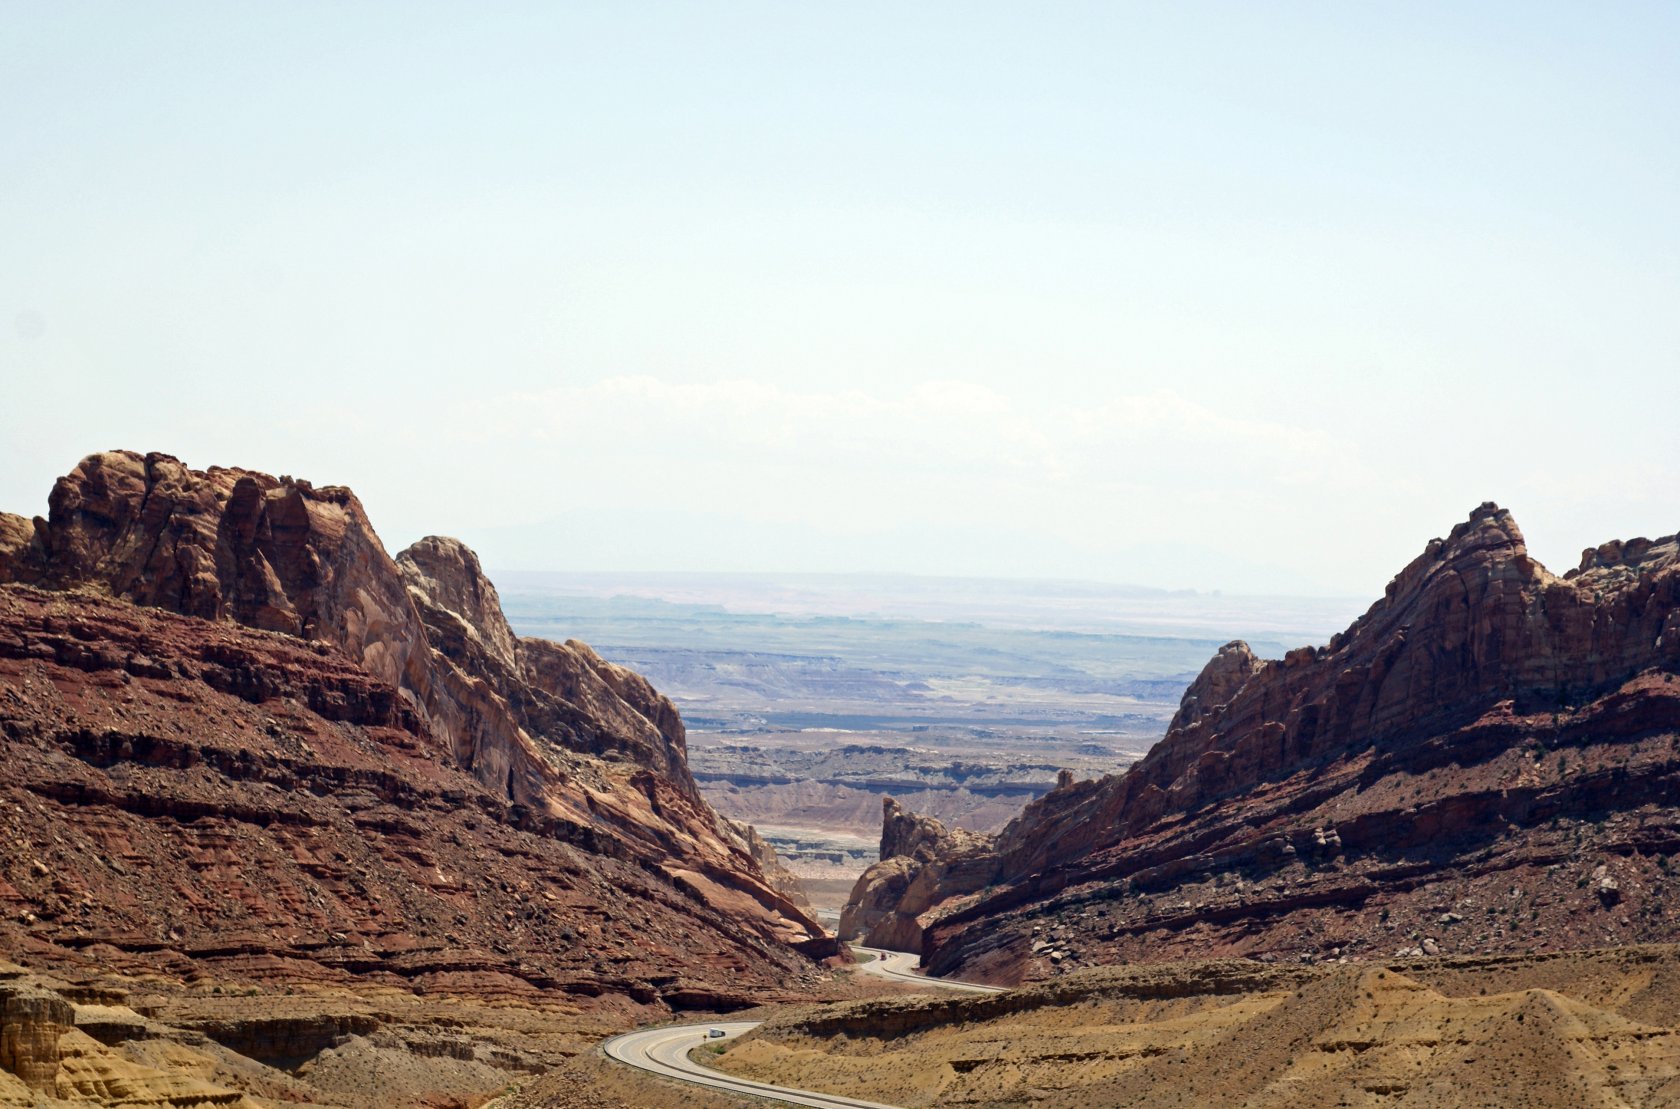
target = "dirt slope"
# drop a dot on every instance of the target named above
(1595, 1028)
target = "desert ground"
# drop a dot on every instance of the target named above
(1593, 1028)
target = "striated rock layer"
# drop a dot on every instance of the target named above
(281, 555)
(52, 1055)
(922, 863)
(1484, 762)
(785, 881)
(242, 743)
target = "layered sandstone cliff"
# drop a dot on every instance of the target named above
(279, 554)
(244, 742)
(53, 1053)
(922, 864)
(1485, 761)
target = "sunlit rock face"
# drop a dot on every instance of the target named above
(923, 864)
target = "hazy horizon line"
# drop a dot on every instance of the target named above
(1109, 585)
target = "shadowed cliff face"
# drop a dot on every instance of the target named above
(572, 747)
(1483, 714)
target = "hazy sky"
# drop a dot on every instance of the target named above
(1247, 296)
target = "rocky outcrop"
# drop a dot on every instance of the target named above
(1485, 727)
(785, 881)
(505, 690)
(1226, 673)
(201, 801)
(281, 555)
(48, 1058)
(343, 765)
(922, 864)
(123, 1045)
(910, 835)
(32, 1021)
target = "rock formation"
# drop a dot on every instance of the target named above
(51, 1054)
(282, 555)
(243, 742)
(1461, 769)
(922, 863)
(785, 881)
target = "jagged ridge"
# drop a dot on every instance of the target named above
(1405, 766)
(409, 660)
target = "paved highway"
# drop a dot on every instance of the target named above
(900, 966)
(664, 1051)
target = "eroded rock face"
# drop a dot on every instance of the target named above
(228, 544)
(277, 554)
(923, 864)
(48, 1058)
(550, 739)
(1485, 725)
(32, 1021)
(909, 834)
(190, 798)
(1225, 673)
(785, 881)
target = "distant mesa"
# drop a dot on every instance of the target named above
(1484, 762)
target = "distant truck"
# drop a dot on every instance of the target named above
(715, 1033)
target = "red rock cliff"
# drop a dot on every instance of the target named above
(1485, 726)
(557, 742)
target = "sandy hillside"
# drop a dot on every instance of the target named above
(1565, 1031)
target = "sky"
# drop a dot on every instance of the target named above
(1252, 297)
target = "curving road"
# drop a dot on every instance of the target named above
(900, 966)
(664, 1051)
